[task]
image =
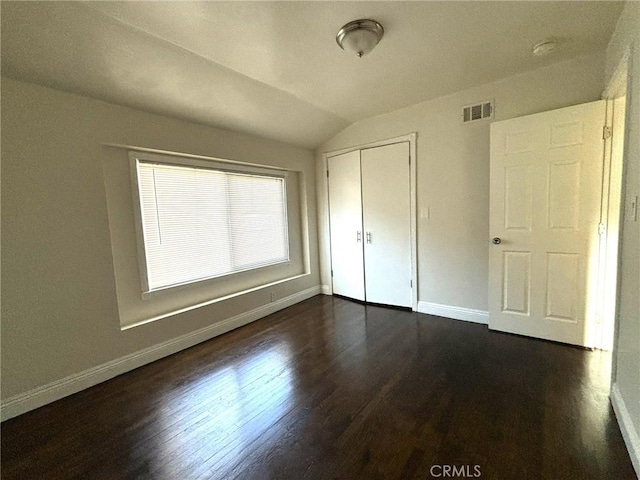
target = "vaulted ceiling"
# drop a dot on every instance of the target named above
(273, 69)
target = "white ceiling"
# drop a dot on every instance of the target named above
(273, 69)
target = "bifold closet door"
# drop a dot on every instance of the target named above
(387, 224)
(345, 212)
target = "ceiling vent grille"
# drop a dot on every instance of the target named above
(479, 111)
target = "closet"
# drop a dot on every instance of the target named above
(370, 222)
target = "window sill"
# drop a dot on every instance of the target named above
(211, 302)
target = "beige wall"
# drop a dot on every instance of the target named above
(453, 172)
(626, 390)
(59, 304)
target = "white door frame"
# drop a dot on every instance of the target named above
(618, 85)
(611, 209)
(411, 138)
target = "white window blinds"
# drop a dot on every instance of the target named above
(200, 223)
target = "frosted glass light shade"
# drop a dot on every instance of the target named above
(360, 36)
(544, 48)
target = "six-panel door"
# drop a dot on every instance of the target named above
(545, 208)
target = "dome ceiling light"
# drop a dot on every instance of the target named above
(360, 36)
(544, 48)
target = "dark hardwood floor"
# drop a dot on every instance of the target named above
(332, 389)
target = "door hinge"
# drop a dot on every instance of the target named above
(411, 283)
(332, 273)
(606, 132)
(327, 173)
(602, 229)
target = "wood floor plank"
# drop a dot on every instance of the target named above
(330, 388)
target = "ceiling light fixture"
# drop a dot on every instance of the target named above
(544, 48)
(360, 36)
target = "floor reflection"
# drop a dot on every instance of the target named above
(228, 409)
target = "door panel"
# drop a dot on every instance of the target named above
(564, 195)
(517, 185)
(562, 287)
(516, 282)
(387, 224)
(345, 209)
(545, 207)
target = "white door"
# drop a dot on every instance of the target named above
(387, 224)
(545, 208)
(345, 213)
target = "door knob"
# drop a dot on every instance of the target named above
(496, 241)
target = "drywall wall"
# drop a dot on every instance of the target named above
(453, 175)
(59, 303)
(626, 380)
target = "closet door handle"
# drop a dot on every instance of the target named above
(358, 236)
(368, 237)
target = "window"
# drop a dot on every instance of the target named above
(199, 222)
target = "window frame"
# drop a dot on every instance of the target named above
(227, 166)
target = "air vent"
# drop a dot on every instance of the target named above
(480, 111)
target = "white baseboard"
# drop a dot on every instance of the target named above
(326, 290)
(457, 313)
(58, 389)
(629, 433)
